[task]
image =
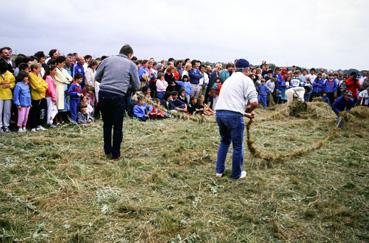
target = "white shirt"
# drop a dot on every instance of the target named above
(295, 82)
(312, 77)
(90, 76)
(270, 85)
(204, 80)
(237, 91)
(364, 97)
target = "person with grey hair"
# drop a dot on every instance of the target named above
(237, 98)
(116, 75)
(79, 68)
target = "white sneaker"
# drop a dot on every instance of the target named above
(6, 130)
(21, 130)
(243, 175)
(41, 128)
(24, 129)
(33, 130)
(218, 174)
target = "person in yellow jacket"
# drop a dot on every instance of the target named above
(7, 83)
(62, 79)
(38, 93)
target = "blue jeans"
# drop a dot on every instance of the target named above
(231, 129)
(74, 103)
(263, 100)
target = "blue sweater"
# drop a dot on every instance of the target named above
(78, 68)
(195, 76)
(340, 104)
(141, 71)
(186, 86)
(139, 111)
(223, 75)
(318, 86)
(281, 84)
(263, 90)
(330, 87)
(74, 90)
(22, 95)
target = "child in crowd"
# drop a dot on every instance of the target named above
(38, 94)
(270, 84)
(22, 99)
(7, 83)
(263, 93)
(308, 89)
(214, 92)
(52, 110)
(182, 96)
(177, 103)
(281, 87)
(330, 87)
(24, 67)
(186, 85)
(161, 86)
(141, 110)
(363, 97)
(75, 93)
(85, 102)
(201, 106)
(84, 116)
(89, 92)
(317, 86)
(156, 112)
(194, 107)
(147, 92)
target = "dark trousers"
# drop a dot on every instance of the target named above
(112, 110)
(37, 113)
(330, 97)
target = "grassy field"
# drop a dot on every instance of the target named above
(57, 186)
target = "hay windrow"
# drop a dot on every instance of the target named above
(57, 186)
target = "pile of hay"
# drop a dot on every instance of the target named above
(360, 112)
(320, 109)
(297, 107)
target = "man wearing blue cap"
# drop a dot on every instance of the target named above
(237, 98)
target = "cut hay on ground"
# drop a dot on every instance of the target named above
(57, 186)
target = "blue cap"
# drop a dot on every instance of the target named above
(242, 63)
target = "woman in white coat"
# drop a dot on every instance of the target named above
(62, 79)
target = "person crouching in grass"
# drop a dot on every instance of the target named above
(141, 110)
(84, 116)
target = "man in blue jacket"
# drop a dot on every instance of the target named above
(78, 68)
(343, 103)
(195, 76)
(116, 74)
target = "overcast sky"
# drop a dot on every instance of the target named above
(310, 33)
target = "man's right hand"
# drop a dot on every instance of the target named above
(250, 115)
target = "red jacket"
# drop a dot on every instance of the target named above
(353, 86)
